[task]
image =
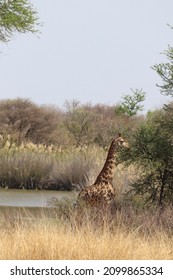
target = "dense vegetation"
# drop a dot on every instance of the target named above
(16, 16)
(76, 125)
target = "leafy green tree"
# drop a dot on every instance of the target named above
(16, 16)
(165, 71)
(151, 151)
(163, 118)
(167, 121)
(131, 104)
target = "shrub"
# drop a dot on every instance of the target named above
(25, 120)
(151, 150)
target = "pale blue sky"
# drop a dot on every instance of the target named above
(89, 50)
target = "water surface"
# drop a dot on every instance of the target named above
(31, 198)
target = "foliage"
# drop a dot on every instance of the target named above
(77, 125)
(167, 121)
(98, 124)
(131, 104)
(151, 150)
(164, 118)
(16, 16)
(165, 71)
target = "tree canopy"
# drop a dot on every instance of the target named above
(16, 16)
(165, 71)
(151, 151)
(131, 104)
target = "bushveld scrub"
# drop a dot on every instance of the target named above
(77, 125)
(53, 237)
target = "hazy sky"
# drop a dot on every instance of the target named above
(89, 50)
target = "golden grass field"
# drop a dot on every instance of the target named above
(54, 239)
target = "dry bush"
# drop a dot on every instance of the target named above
(25, 120)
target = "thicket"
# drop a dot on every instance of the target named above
(151, 151)
(76, 125)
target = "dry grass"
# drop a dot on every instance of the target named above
(43, 237)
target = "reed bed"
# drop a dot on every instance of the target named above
(30, 166)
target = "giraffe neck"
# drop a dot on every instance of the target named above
(107, 172)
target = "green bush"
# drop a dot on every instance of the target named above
(151, 150)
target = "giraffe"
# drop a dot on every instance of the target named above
(102, 193)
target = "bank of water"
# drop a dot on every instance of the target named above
(30, 204)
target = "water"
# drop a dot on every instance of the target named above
(31, 198)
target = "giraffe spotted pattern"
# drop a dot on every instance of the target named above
(102, 193)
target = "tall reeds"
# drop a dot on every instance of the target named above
(31, 166)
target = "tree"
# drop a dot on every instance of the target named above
(78, 122)
(16, 16)
(165, 71)
(131, 104)
(151, 150)
(24, 120)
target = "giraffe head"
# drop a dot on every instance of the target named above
(120, 142)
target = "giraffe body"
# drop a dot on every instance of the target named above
(97, 195)
(102, 193)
